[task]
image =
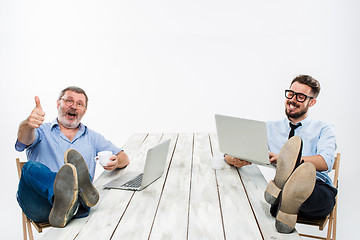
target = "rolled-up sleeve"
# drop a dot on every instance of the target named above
(19, 146)
(326, 146)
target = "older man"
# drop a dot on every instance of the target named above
(301, 185)
(56, 182)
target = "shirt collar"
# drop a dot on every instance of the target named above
(54, 123)
(304, 122)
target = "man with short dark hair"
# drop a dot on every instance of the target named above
(56, 182)
(304, 151)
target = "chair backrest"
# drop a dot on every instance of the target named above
(336, 170)
(19, 166)
(26, 221)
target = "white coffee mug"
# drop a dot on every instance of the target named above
(104, 157)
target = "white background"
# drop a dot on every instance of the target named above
(169, 66)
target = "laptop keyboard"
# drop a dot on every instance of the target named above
(134, 183)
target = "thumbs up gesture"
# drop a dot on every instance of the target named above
(37, 115)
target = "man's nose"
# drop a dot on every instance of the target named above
(73, 106)
(292, 101)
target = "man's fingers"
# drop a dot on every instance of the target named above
(240, 163)
(37, 102)
(37, 116)
(38, 109)
(35, 120)
(35, 125)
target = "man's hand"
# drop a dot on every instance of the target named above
(112, 164)
(26, 132)
(121, 160)
(235, 161)
(273, 157)
(37, 116)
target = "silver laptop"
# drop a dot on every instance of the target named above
(153, 169)
(243, 138)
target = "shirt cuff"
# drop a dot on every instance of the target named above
(19, 146)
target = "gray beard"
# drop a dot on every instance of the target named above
(67, 125)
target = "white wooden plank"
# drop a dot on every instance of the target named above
(204, 216)
(139, 156)
(172, 216)
(69, 232)
(238, 218)
(139, 216)
(105, 216)
(110, 209)
(170, 221)
(73, 228)
(255, 185)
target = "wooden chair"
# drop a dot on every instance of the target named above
(26, 222)
(331, 218)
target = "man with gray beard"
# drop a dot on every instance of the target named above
(56, 182)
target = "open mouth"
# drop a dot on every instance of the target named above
(292, 106)
(71, 115)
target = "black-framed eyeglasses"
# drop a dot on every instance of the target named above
(70, 102)
(300, 97)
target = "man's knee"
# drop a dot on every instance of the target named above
(27, 169)
(29, 165)
(32, 166)
(35, 171)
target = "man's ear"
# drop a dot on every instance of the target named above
(312, 102)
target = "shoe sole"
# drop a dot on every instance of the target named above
(65, 196)
(297, 189)
(289, 158)
(87, 191)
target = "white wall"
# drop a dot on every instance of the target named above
(160, 66)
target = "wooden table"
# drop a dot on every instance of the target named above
(190, 201)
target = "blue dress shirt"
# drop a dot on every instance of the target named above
(318, 139)
(50, 145)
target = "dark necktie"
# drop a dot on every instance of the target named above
(293, 127)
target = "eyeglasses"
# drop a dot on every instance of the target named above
(70, 102)
(300, 97)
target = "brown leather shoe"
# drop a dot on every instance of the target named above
(65, 196)
(289, 158)
(297, 189)
(87, 191)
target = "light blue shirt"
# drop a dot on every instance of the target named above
(318, 139)
(50, 145)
